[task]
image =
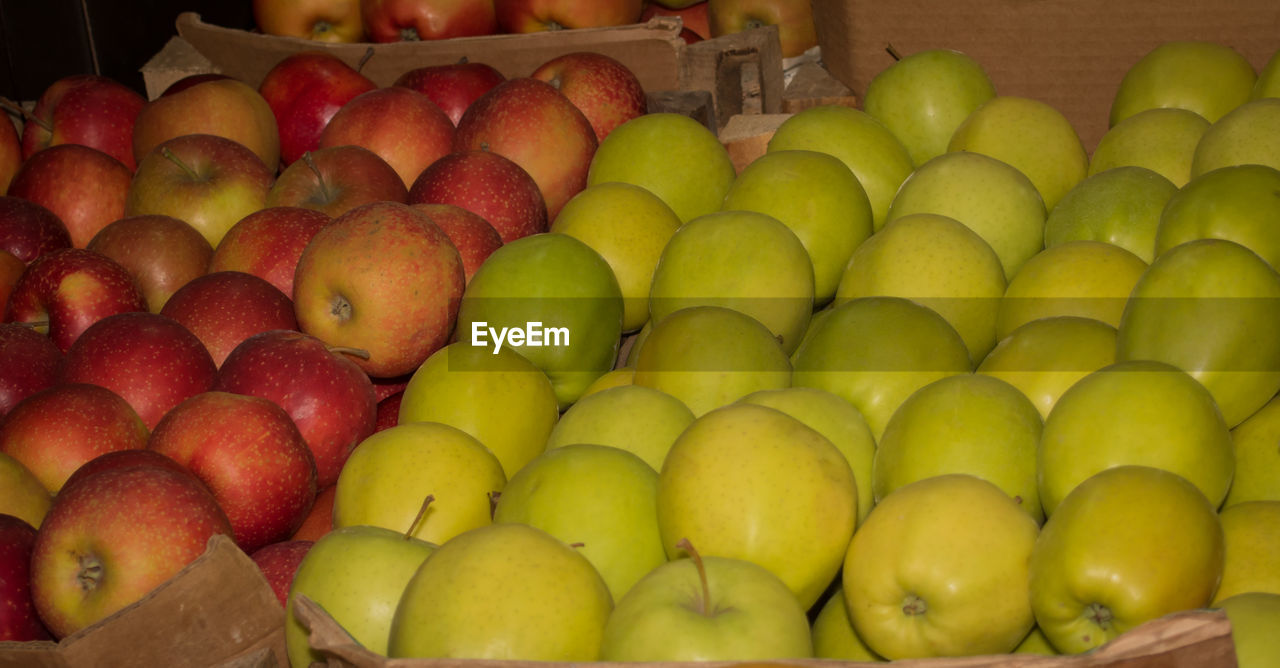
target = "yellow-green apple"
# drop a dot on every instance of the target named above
(1245, 135)
(673, 156)
(940, 569)
(1209, 307)
(1203, 76)
(1121, 206)
(208, 181)
(304, 90)
(19, 620)
(875, 351)
(88, 109)
(228, 108)
(879, 160)
(707, 609)
(635, 418)
(470, 233)
(335, 180)
(1134, 413)
(1268, 83)
(1036, 643)
(161, 252)
(1251, 539)
(1162, 139)
(357, 574)
(279, 563)
(818, 197)
(414, 20)
(23, 495)
(794, 19)
(524, 16)
(1253, 617)
(330, 399)
(452, 86)
(1235, 202)
(554, 602)
(1088, 279)
(10, 154)
(937, 262)
(63, 292)
(29, 362)
(605, 90)
(267, 243)
(29, 230)
(535, 125)
(596, 496)
(970, 423)
(404, 127)
(250, 454)
(113, 536)
(489, 185)
(924, 96)
(84, 187)
(384, 279)
(1130, 544)
(622, 375)
(320, 20)
(500, 398)
(1044, 357)
(555, 301)
(629, 227)
(320, 520)
(390, 473)
(1257, 475)
(833, 634)
(223, 308)
(54, 431)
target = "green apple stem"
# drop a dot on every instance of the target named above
(422, 512)
(354, 352)
(324, 187)
(164, 150)
(705, 607)
(90, 573)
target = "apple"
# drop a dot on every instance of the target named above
(470, 233)
(161, 252)
(29, 362)
(10, 154)
(452, 86)
(1130, 544)
(535, 125)
(833, 634)
(388, 414)
(267, 243)
(1121, 206)
(1268, 83)
(124, 459)
(11, 269)
(487, 184)
(304, 90)
(63, 292)
(635, 418)
(84, 187)
(320, 520)
(223, 308)
(794, 18)
(1256, 460)
(1162, 139)
(1245, 135)
(149, 359)
(524, 16)
(413, 20)
(23, 495)
(191, 80)
(18, 618)
(112, 537)
(1253, 618)
(88, 109)
(605, 90)
(335, 180)
(320, 20)
(29, 230)
(1234, 202)
(279, 563)
(1044, 357)
(329, 398)
(227, 108)
(1201, 76)
(1251, 532)
(404, 127)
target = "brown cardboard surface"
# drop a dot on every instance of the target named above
(1069, 53)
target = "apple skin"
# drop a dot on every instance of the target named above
(29, 362)
(87, 109)
(1244, 136)
(414, 20)
(388, 412)
(279, 563)
(1253, 617)
(320, 520)
(319, 20)
(162, 253)
(18, 618)
(29, 230)
(113, 536)
(453, 86)
(1121, 206)
(1163, 140)
(470, 233)
(335, 180)
(10, 155)
(794, 19)
(11, 269)
(125, 459)
(228, 108)
(523, 16)
(489, 185)
(404, 127)
(605, 90)
(267, 243)
(84, 187)
(1207, 78)
(304, 90)
(71, 289)
(223, 308)
(191, 80)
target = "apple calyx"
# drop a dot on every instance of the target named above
(417, 519)
(169, 155)
(913, 606)
(704, 601)
(410, 34)
(89, 575)
(1100, 615)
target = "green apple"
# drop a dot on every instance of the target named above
(1120, 206)
(974, 424)
(1130, 544)
(1208, 78)
(1136, 412)
(554, 300)
(989, 196)
(671, 155)
(1030, 135)
(1254, 617)
(628, 226)
(833, 634)
(1236, 202)
(815, 195)
(1045, 357)
(938, 262)
(1268, 83)
(1251, 533)
(940, 569)
(390, 473)
(596, 496)
(1162, 139)
(635, 418)
(21, 492)
(743, 260)
(502, 591)
(500, 398)
(612, 378)
(1211, 308)
(875, 351)
(357, 575)
(1257, 457)
(862, 143)
(1036, 643)
(925, 96)
(1089, 279)
(1248, 134)
(751, 482)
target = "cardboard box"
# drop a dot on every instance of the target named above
(1071, 54)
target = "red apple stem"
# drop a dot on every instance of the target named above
(705, 602)
(422, 512)
(22, 112)
(324, 187)
(354, 352)
(41, 325)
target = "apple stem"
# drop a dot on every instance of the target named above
(38, 325)
(418, 518)
(705, 601)
(354, 352)
(324, 187)
(22, 112)
(892, 52)
(368, 53)
(169, 155)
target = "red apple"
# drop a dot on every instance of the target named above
(19, 621)
(28, 230)
(162, 253)
(382, 278)
(149, 359)
(385, 387)
(336, 179)
(279, 563)
(537, 127)
(488, 185)
(84, 187)
(189, 81)
(320, 20)
(225, 107)
(122, 459)
(29, 362)
(10, 154)
(66, 291)
(470, 233)
(794, 19)
(223, 308)
(304, 91)
(55, 430)
(453, 87)
(87, 109)
(11, 269)
(606, 91)
(521, 16)
(692, 15)
(389, 411)
(320, 520)
(267, 243)
(413, 20)
(114, 536)
(404, 127)
(327, 395)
